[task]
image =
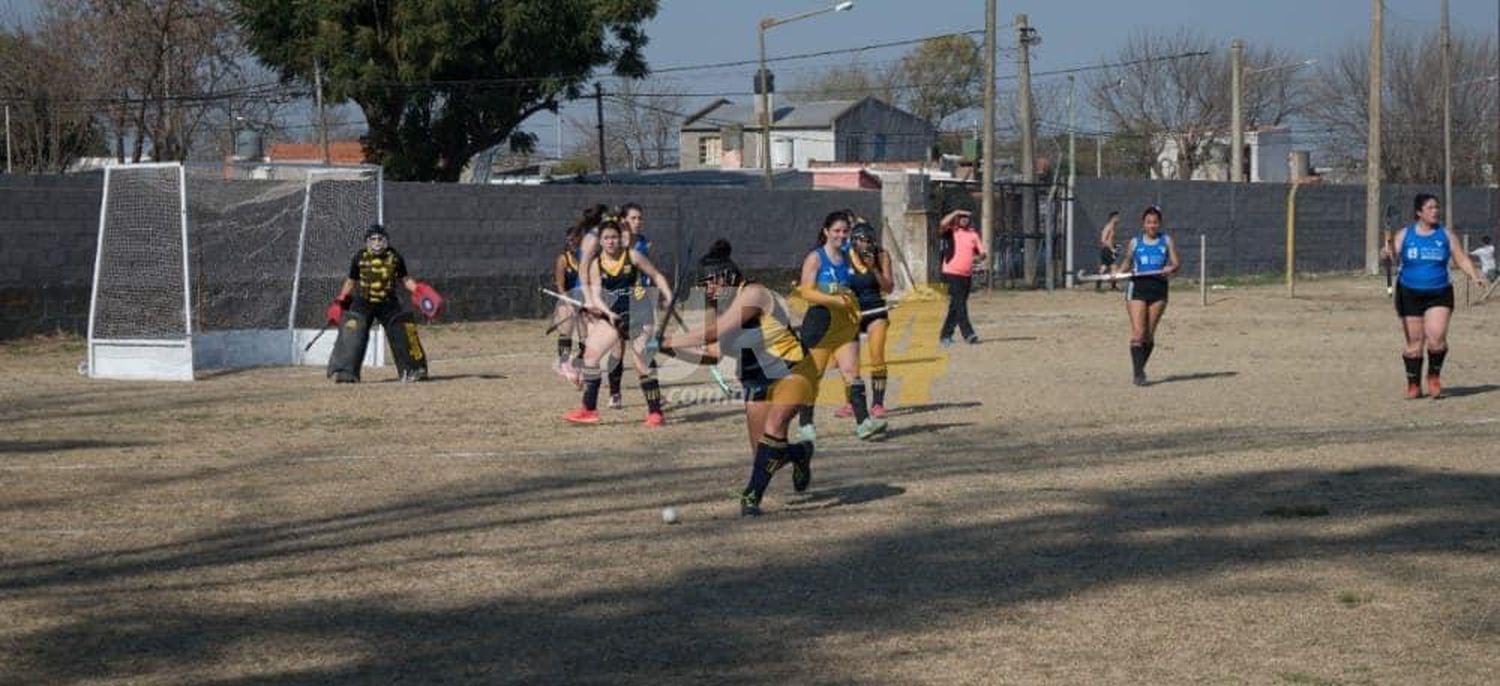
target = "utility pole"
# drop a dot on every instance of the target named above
(322, 114)
(1446, 40)
(1025, 38)
(1237, 111)
(987, 195)
(7, 138)
(1495, 163)
(1372, 151)
(1072, 180)
(599, 117)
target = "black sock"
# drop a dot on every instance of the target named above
(1138, 358)
(1413, 368)
(805, 415)
(564, 348)
(857, 400)
(1435, 361)
(616, 375)
(877, 387)
(1148, 346)
(770, 455)
(652, 390)
(590, 387)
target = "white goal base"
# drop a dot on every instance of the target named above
(167, 360)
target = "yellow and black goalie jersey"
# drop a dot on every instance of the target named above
(377, 274)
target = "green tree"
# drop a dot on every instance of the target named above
(941, 76)
(441, 80)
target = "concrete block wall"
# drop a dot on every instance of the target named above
(1245, 224)
(48, 230)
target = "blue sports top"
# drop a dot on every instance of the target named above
(1424, 260)
(1149, 257)
(832, 276)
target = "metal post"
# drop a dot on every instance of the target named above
(765, 109)
(987, 193)
(1447, 46)
(1202, 270)
(1072, 180)
(1372, 152)
(1025, 38)
(1098, 157)
(1291, 240)
(1237, 111)
(7, 138)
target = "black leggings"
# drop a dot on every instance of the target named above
(958, 306)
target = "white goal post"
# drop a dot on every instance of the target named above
(222, 267)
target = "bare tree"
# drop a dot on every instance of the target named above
(1160, 96)
(1412, 103)
(646, 116)
(50, 88)
(851, 81)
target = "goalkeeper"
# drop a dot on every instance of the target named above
(369, 295)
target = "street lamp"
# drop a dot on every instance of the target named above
(1237, 74)
(763, 83)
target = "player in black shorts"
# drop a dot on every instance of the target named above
(871, 278)
(1152, 257)
(1424, 292)
(616, 273)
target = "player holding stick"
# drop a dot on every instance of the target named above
(777, 370)
(617, 270)
(1146, 295)
(830, 329)
(369, 294)
(871, 279)
(565, 316)
(1424, 292)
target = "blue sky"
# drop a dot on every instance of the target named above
(1074, 32)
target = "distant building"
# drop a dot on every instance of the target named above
(339, 153)
(725, 135)
(1266, 155)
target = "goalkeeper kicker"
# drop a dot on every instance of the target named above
(368, 295)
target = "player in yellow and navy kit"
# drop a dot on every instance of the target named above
(779, 373)
(369, 295)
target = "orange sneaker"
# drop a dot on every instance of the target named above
(844, 412)
(1434, 386)
(877, 411)
(1413, 391)
(582, 416)
(655, 419)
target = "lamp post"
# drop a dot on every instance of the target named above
(763, 78)
(1237, 129)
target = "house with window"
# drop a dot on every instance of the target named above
(725, 135)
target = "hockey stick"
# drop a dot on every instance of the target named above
(1117, 277)
(654, 345)
(321, 331)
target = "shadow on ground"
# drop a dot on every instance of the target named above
(724, 621)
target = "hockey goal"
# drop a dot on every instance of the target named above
(222, 267)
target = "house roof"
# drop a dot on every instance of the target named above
(339, 152)
(805, 115)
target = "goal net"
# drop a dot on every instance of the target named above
(222, 267)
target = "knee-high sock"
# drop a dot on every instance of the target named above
(877, 386)
(564, 348)
(616, 375)
(770, 455)
(1147, 345)
(1138, 357)
(1413, 368)
(857, 401)
(1435, 361)
(651, 388)
(591, 386)
(805, 415)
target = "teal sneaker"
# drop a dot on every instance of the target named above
(807, 433)
(749, 504)
(869, 427)
(802, 469)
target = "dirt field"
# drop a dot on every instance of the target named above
(1269, 511)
